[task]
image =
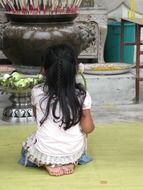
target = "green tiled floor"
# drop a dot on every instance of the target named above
(117, 150)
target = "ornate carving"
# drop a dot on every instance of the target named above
(87, 3)
(91, 50)
(96, 21)
(88, 35)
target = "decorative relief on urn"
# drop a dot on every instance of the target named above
(92, 49)
(87, 3)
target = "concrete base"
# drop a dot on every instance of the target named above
(111, 89)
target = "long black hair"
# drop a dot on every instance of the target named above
(60, 67)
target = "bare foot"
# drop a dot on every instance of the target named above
(55, 171)
(68, 169)
(60, 170)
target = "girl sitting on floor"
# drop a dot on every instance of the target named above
(61, 107)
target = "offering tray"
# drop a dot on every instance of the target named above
(19, 87)
(107, 68)
(16, 82)
(14, 91)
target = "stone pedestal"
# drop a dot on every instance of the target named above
(111, 89)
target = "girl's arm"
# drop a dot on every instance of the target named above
(86, 122)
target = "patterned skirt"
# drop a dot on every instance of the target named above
(32, 157)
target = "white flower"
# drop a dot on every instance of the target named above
(81, 67)
(6, 76)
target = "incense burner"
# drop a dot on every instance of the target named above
(35, 25)
(26, 37)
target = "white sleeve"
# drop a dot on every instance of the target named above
(87, 102)
(36, 94)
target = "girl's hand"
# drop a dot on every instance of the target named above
(86, 122)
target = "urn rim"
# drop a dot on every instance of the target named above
(42, 18)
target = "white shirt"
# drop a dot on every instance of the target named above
(52, 140)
